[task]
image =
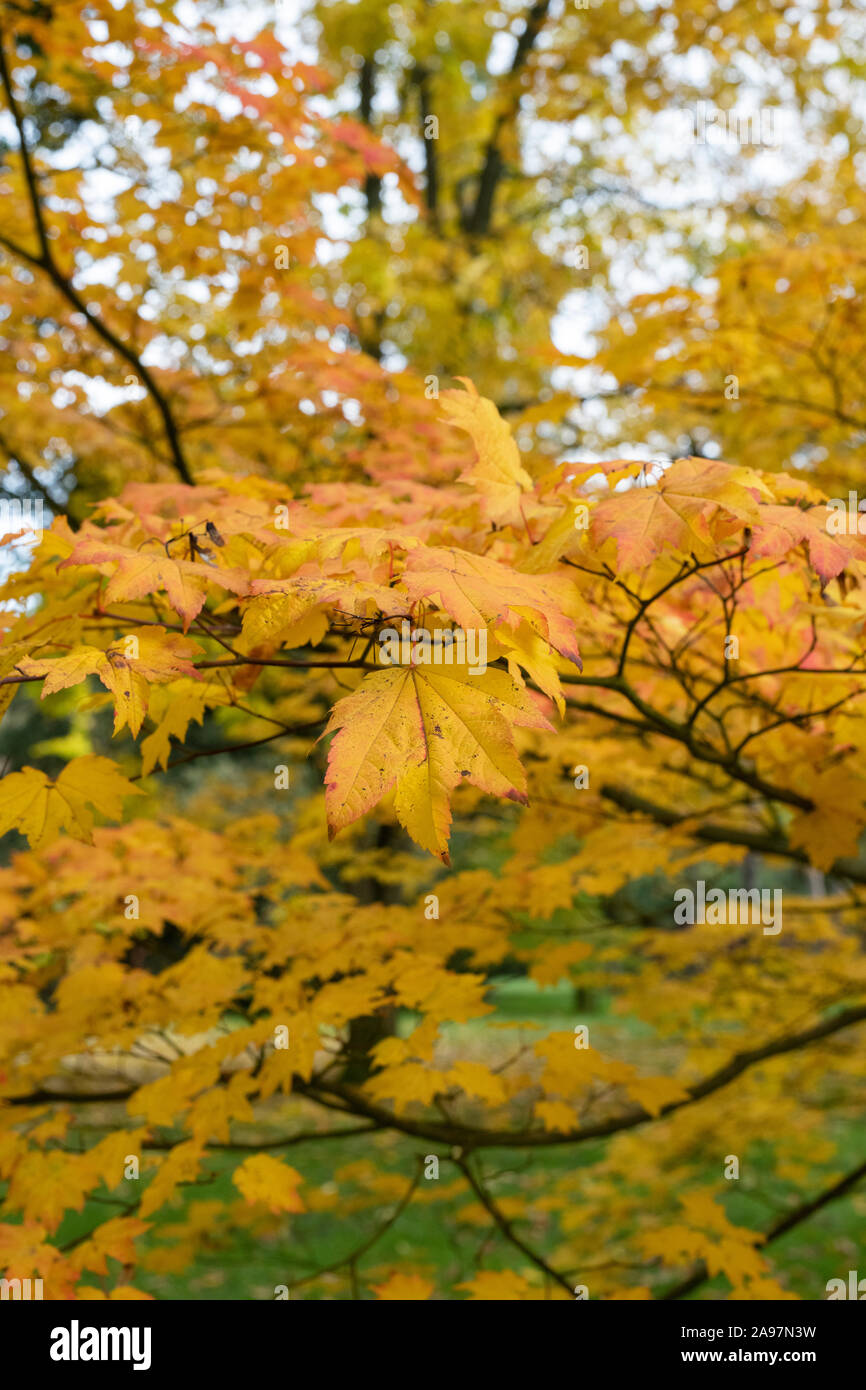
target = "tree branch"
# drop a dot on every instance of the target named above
(338, 1095)
(354, 1255)
(431, 191)
(477, 220)
(760, 842)
(700, 1274)
(506, 1227)
(46, 262)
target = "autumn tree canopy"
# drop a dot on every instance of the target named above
(430, 564)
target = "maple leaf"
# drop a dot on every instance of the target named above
(494, 1285)
(656, 1092)
(39, 808)
(46, 1185)
(478, 592)
(407, 1084)
(264, 1179)
(124, 668)
(497, 473)
(285, 474)
(211, 1115)
(777, 530)
(106, 1159)
(554, 965)
(136, 573)
(403, 1288)
(181, 1165)
(684, 510)
(832, 828)
(290, 612)
(24, 1247)
(423, 730)
(477, 1080)
(184, 704)
(124, 1293)
(614, 470)
(556, 1115)
(160, 1101)
(112, 1240)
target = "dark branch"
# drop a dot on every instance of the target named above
(46, 262)
(700, 1274)
(477, 221)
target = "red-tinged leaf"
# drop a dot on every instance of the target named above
(682, 511)
(779, 530)
(480, 593)
(137, 573)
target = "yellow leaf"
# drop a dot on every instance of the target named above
(39, 808)
(499, 1285)
(136, 573)
(655, 1092)
(145, 654)
(403, 1288)
(265, 1179)
(832, 830)
(556, 1115)
(555, 961)
(477, 1080)
(407, 1083)
(181, 1165)
(425, 729)
(114, 1239)
(497, 473)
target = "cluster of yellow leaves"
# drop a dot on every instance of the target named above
(412, 733)
(710, 1236)
(40, 808)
